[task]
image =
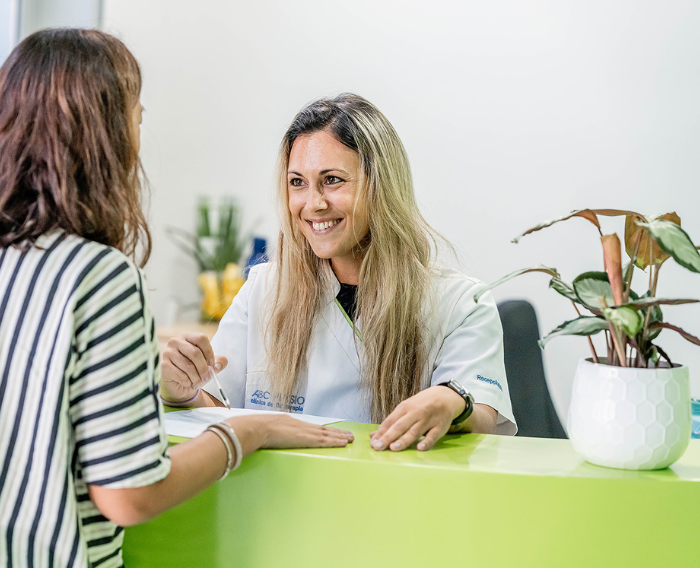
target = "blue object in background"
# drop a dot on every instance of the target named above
(695, 405)
(258, 255)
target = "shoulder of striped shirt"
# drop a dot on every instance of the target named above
(100, 258)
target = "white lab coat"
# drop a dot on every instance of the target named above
(467, 347)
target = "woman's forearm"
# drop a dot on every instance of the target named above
(195, 465)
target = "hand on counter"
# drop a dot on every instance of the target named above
(186, 361)
(429, 413)
(283, 431)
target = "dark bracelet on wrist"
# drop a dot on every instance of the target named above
(468, 400)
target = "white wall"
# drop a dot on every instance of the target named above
(19, 18)
(512, 112)
(38, 14)
(9, 27)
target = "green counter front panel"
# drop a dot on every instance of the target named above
(475, 500)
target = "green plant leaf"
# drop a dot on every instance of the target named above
(625, 318)
(637, 240)
(583, 325)
(564, 289)
(684, 334)
(551, 271)
(590, 287)
(646, 302)
(203, 222)
(654, 357)
(674, 241)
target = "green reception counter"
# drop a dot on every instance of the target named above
(474, 500)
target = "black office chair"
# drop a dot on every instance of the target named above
(532, 403)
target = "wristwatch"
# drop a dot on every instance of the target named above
(468, 400)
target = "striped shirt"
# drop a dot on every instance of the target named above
(79, 404)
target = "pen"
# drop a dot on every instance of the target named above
(211, 375)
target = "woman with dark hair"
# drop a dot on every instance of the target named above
(82, 446)
(354, 317)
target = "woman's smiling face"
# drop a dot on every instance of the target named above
(323, 178)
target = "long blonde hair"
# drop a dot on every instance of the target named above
(394, 279)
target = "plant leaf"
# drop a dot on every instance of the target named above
(589, 214)
(590, 287)
(612, 256)
(551, 271)
(618, 213)
(585, 213)
(637, 240)
(664, 355)
(625, 318)
(654, 354)
(564, 289)
(683, 333)
(189, 244)
(646, 302)
(583, 325)
(675, 242)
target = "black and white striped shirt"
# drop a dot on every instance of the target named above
(79, 404)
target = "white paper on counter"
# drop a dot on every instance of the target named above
(191, 423)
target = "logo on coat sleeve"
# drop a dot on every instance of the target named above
(490, 381)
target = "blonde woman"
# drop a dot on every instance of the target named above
(354, 318)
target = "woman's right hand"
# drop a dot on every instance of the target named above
(185, 363)
(283, 431)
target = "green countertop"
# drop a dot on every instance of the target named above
(474, 498)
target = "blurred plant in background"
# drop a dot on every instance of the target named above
(218, 247)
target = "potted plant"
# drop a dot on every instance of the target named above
(217, 247)
(630, 407)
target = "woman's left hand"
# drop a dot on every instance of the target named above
(428, 413)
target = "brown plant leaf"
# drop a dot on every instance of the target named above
(681, 332)
(637, 240)
(587, 214)
(618, 213)
(612, 256)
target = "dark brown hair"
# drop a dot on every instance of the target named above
(67, 153)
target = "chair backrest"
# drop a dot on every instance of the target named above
(532, 404)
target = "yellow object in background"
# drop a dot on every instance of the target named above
(218, 290)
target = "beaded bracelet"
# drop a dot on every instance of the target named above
(227, 429)
(229, 451)
(180, 403)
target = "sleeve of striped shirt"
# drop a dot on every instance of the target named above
(115, 411)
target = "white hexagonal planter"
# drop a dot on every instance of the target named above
(630, 418)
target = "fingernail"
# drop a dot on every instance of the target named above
(421, 446)
(217, 367)
(377, 445)
(396, 446)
